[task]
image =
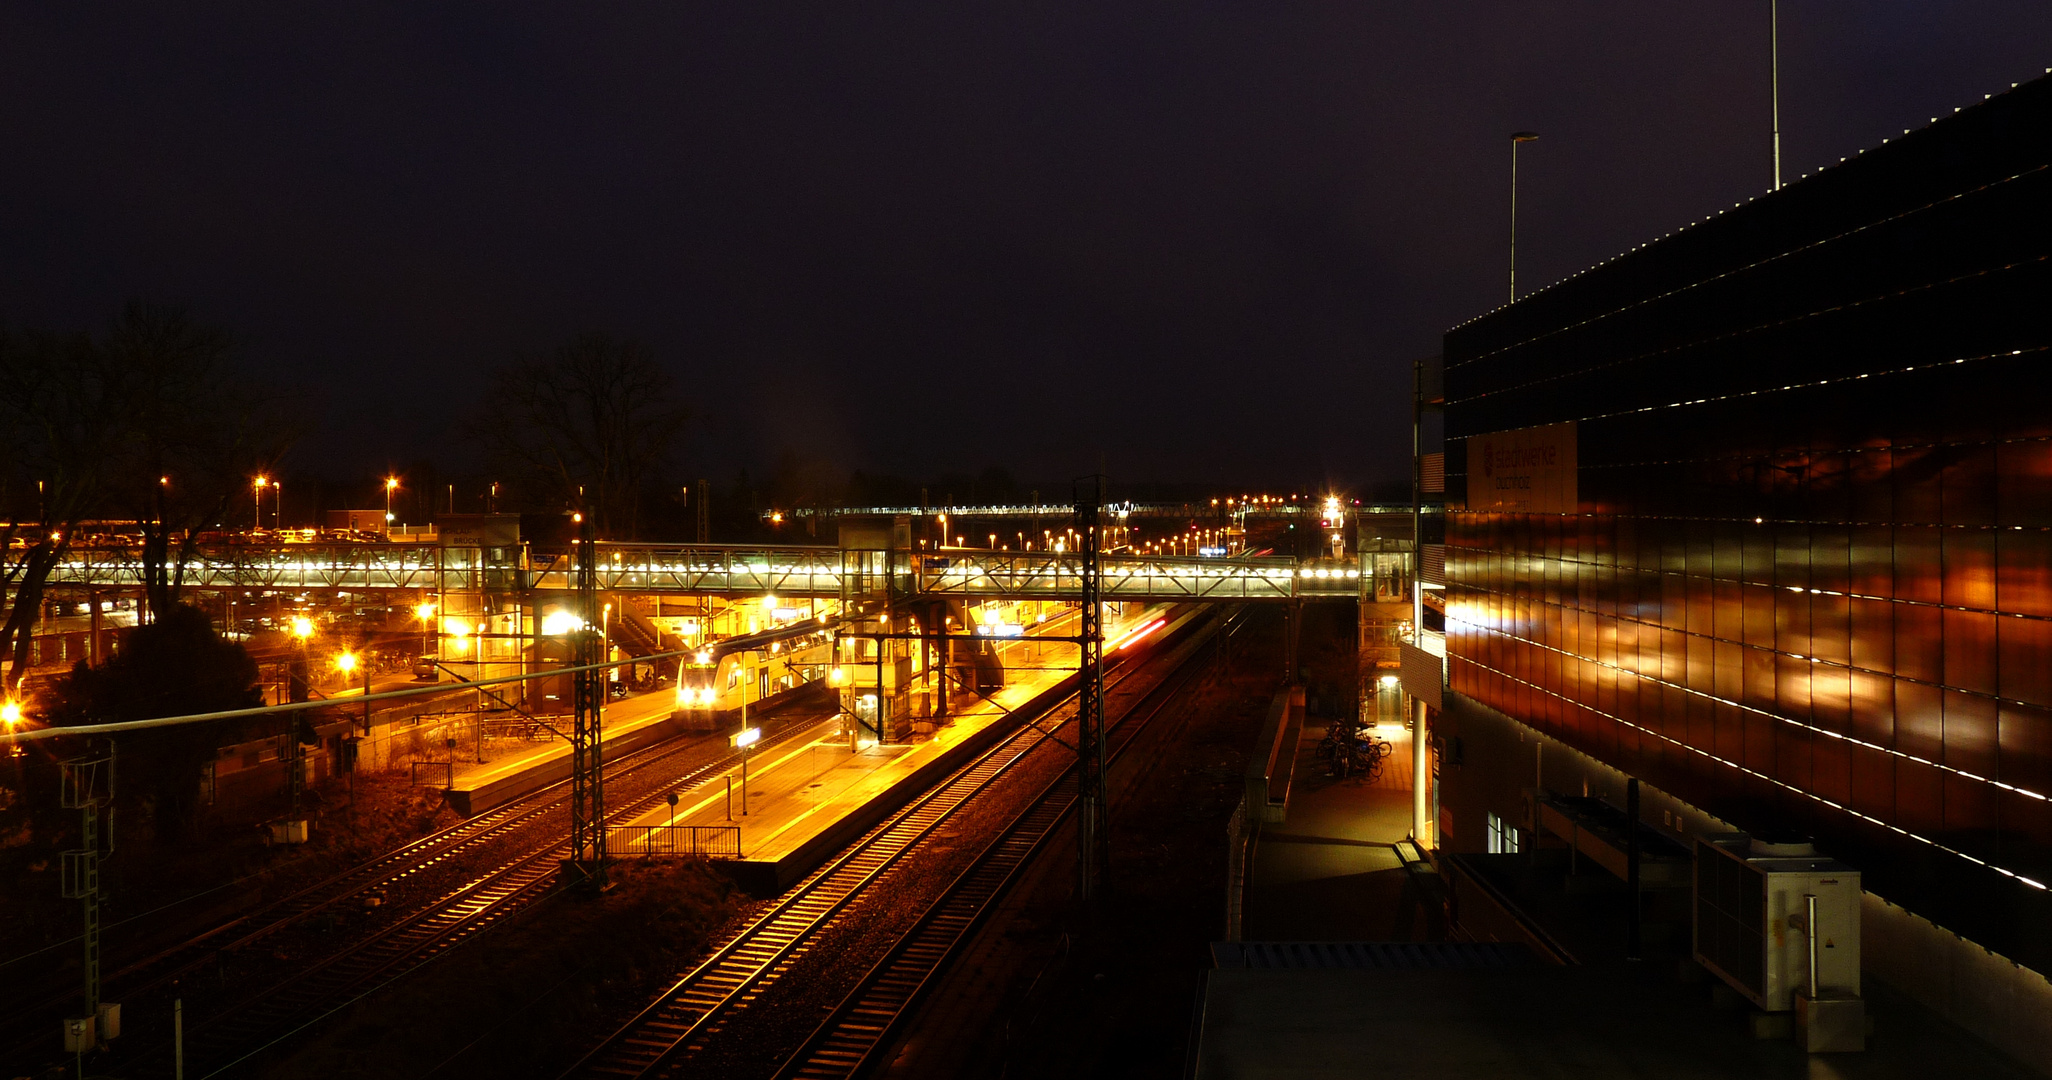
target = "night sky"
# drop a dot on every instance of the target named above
(1203, 241)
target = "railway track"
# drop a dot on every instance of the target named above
(450, 916)
(845, 1045)
(660, 1040)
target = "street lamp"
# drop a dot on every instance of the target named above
(348, 662)
(391, 485)
(1516, 138)
(257, 498)
(425, 612)
(1774, 69)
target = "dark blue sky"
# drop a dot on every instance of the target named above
(1204, 240)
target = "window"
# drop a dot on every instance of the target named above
(1502, 836)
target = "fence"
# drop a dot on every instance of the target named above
(1238, 837)
(687, 841)
(444, 771)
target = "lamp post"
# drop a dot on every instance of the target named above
(257, 500)
(1774, 69)
(1516, 138)
(747, 738)
(426, 612)
(302, 628)
(348, 662)
(391, 485)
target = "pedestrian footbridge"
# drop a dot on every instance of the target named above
(717, 570)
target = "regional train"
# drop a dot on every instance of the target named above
(761, 670)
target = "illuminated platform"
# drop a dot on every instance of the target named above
(628, 726)
(809, 795)
(814, 796)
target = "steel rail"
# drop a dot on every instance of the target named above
(423, 853)
(738, 970)
(440, 923)
(844, 1045)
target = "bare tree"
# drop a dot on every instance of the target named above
(151, 422)
(55, 413)
(191, 431)
(589, 425)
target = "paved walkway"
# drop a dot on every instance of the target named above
(1329, 871)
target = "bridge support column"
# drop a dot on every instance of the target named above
(1421, 777)
(1093, 839)
(95, 642)
(1293, 627)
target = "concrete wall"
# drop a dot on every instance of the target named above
(1990, 995)
(1994, 997)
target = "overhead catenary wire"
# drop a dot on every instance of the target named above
(117, 727)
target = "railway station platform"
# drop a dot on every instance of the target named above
(810, 797)
(811, 794)
(474, 787)
(1330, 870)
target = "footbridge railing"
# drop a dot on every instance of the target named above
(796, 571)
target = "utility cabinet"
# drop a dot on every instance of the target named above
(1751, 919)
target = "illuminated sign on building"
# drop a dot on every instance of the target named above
(1530, 470)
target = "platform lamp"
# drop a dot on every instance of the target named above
(348, 662)
(1516, 138)
(302, 628)
(391, 485)
(257, 499)
(425, 612)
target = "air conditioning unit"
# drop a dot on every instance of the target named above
(1752, 912)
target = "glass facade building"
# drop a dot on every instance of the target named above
(1761, 512)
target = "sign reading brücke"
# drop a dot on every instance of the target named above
(1531, 470)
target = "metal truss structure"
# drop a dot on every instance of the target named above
(1302, 508)
(88, 787)
(715, 569)
(1093, 847)
(588, 688)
